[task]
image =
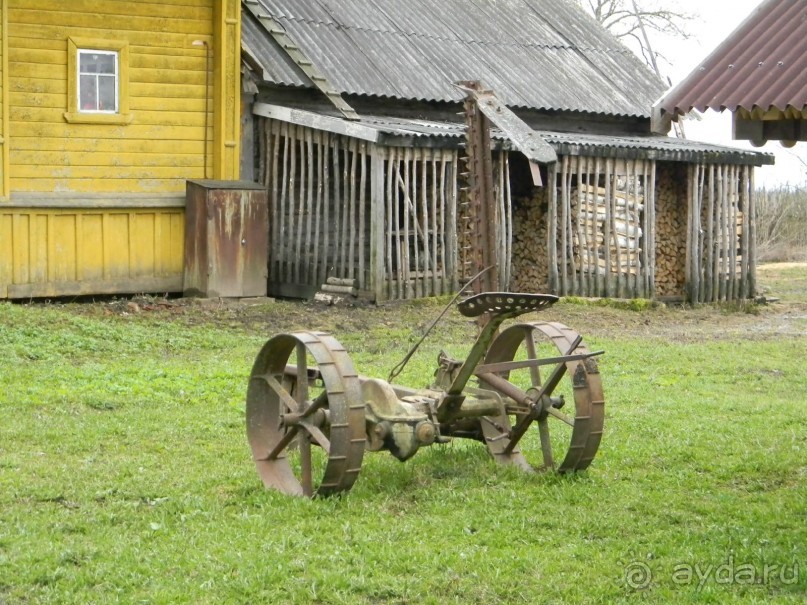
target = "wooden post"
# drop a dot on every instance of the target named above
(552, 228)
(650, 206)
(376, 212)
(450, 228)
(752, 234)
(744, 201)
(609, 187)
(688, 277)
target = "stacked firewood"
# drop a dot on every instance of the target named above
(671, 225)
(589, 214)
(530, 269)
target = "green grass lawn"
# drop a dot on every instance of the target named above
(125, 475)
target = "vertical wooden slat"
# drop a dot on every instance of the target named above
(376, 212)
(345, 203)
(273, 130)
(363, 176)
(405, 274)
(327, 258)
(286, 227)
(599, 280)
(413, 156)
(450, 228)
(351, 258)
(642, 241)
(564, 211)
(435, 235)
(696, 233)
(696, 236)
(428, 290)
(390, 222)
(621, 276)
(446, 236)
(735, 240)
(688, 258)
(508, 207)
(588, 245)
(400, 272)
(573, 274)
(318, 276)
(631, 213)
(724, 236)
(308, 275)
(716, 295)
(552, 228)
(583, 248)
(752, 233)
(709, 252)
(264, 145)
(337, 205)
(744, 202)
(650, 206)
(607, 231)
(295, 207)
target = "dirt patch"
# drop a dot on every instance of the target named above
(787, 317)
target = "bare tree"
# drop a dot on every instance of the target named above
(631, 20)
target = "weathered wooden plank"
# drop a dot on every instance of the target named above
(437, 281)
(552, 228)
(610, 184)
(318, 121)
(286, 225)
(752, 234)
(297, 188)
(307, 180)
(364, 176)
(744, 202)
(326, 256)
(317, 275)
(400, 268)
(376, 213)
(406, 203)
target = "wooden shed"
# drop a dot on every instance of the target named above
(362, 156)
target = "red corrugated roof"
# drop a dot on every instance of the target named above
(763, 63)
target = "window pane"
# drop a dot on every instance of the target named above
(90, 62)
(87, 93)
(106, 93)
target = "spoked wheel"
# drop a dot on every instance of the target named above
(541, 392)
(305, 415)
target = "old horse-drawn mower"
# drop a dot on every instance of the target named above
(311, 417)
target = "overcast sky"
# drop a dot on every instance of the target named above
(713, 22)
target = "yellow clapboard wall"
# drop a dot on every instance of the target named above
(93, 207)
(58, 252)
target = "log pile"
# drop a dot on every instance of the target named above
(591, 216)
(671, 225)
(530, 270)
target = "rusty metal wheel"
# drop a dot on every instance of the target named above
(304, 392)
(566, 374)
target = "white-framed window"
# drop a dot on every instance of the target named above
(98, 80)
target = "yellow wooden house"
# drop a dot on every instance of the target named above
(107, 108)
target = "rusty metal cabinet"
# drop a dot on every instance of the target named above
(226, 239)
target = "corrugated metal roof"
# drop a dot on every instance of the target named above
(539, 54)
(650, 147)
(763, 63)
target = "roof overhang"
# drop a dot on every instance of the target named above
(400, 132)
